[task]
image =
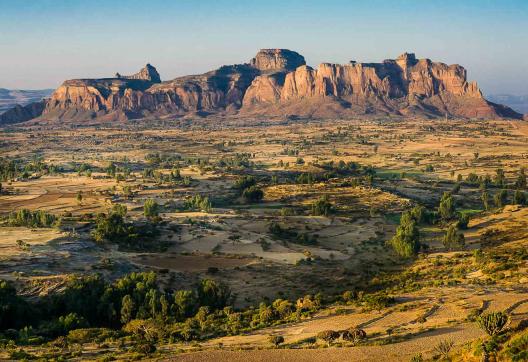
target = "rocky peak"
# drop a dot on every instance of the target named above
(148, 73)
(277, 59)
(406, 60)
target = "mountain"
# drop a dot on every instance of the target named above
(518, 103)
(277, 82)
(10, 97)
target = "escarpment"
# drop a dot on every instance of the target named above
(277, 82)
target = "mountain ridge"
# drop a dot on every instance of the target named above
(277, 82)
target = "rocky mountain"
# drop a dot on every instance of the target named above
(11, 97)
(518, 103)
(277, 82)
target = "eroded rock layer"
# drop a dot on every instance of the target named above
(277, 82)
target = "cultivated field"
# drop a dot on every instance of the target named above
(291, 210)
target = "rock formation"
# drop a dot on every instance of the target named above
(277, 82)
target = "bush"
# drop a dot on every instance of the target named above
(493, 323)
(31, 219)
(517, 348)
(463, 221)
(276, 340)
(322, 207)
(151, 209)
(253, 194)
(354, 334)
(328, 336)
(453, 239)
(446, 209)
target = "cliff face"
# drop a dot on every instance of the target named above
(277, 82)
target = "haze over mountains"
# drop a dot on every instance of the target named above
(276, 82)
(11, 97)
(516, 102)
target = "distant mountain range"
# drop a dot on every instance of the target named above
(11, 97)
(517, 103)
(274, 83)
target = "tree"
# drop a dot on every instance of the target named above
(485, 200)
(354, 334)
(119, 209)
(253, 194)
(79, 197)
(463, 221)
(500, 198)
(492, 323)
(500, 179)
(328, 336)
(322, 207)
(213, 294)
(127, 309)
(276, 340)
(184, 304)
(453, 239)
(151, 209)
(447, 209)
(521, 179)
(406, 242)
(519, 198)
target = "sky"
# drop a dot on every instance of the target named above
(43, 42)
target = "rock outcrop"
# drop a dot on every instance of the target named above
(148, 73)
(277, 59)
(277, 82)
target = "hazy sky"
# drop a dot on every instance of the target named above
(43, 42)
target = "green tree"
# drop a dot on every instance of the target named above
(521, 179)
(501, 198)
(213, 294)
(485, 200)
(276, 340)
(519, 198)
(79, 197)
(447, 209)
(127, 309)
(500, 179)
(253, 194)
(151, 209)
(322, 206)
(406, 242)
(463, 221)
(453, 239)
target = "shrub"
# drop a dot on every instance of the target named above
(322, 207)
(276, 340)
(463, 221)
(446, 209)
(493, 323)
(253, 194)
(328, 336)
(453, 239)
(354, 334)
(517, 348)
(444, 347)
(151, 209)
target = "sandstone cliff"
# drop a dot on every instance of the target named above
(277, 82)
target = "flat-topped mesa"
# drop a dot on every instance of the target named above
(277, 82)
(277, 59)
(148, 73)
